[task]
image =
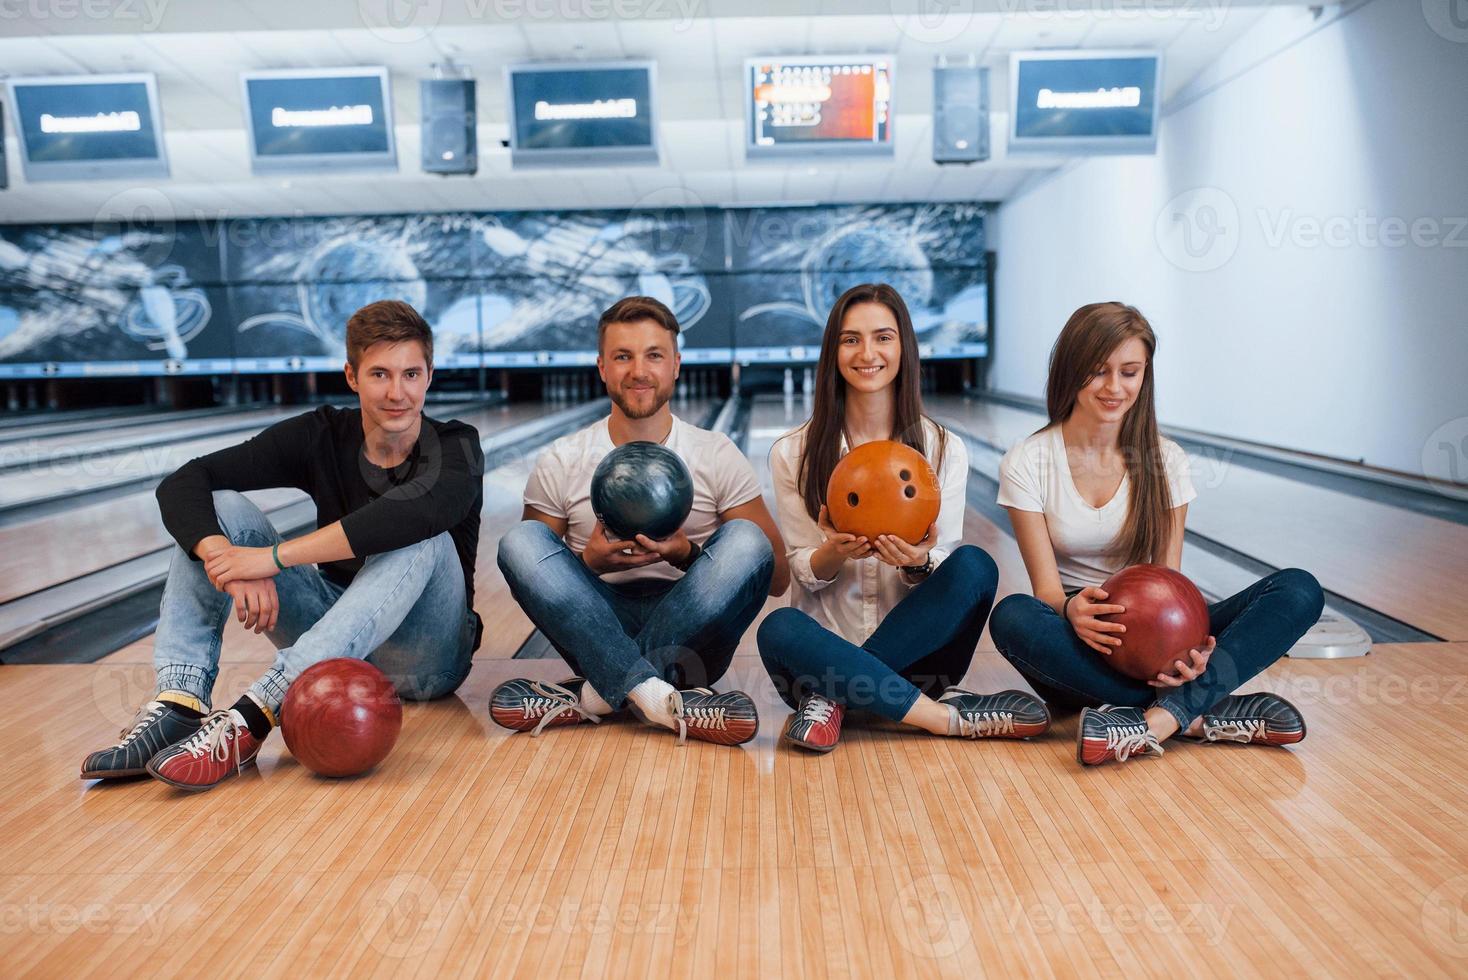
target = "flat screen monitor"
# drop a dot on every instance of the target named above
(1084, 102)
(89, 127)
(830, 104)
(307, 120)
(582, 114)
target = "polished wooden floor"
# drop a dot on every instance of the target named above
(609, 850)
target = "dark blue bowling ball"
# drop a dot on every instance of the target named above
(641, 488)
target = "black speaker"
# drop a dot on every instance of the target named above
(4, 167)
(960, 115)
(450, 143)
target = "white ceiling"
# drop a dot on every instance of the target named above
(198, 50)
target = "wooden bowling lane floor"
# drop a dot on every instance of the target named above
(609, 850)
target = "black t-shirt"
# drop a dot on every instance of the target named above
(439, 487)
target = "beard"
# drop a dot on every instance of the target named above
(660, 398)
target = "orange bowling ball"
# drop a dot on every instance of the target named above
(883, 487)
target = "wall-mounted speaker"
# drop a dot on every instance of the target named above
(960, 114)
(450, 142)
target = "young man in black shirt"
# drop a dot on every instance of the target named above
(389, 575)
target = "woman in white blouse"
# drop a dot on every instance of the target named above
(884, 624)
(1099, 489)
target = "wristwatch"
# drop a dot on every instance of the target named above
(926, 568)
(693, 552)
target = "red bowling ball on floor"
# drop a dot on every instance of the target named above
(341, 717)
(1166, 616)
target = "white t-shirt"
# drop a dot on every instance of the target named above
(560, 486)
(854, 603)
(1035, 476)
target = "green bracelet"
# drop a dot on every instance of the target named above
(275, 553)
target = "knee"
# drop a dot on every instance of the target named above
(428, 688)
(778, 631)
(1012, 617)
(237, 516)
(746, 539)
(523, 545)
(1304, 591)
(976, 567)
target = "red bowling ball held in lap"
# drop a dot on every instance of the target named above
(341, 717)
(1166, 616)
(883, 487)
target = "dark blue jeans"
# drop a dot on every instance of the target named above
(617, 636)
(1253, 628)
(925, 643)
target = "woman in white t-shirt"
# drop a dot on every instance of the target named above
(882, 624)
(1099, 489)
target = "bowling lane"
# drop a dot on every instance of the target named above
(71, 474)
(1418, 560)
(42, 450)
(56, 548)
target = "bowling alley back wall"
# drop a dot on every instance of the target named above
(512, 289)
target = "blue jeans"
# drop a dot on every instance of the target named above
(617, 636)
(1253, 629)
(925, 643)
(404, 612)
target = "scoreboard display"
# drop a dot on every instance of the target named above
(823, 105)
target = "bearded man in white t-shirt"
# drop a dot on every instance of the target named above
(646, 623)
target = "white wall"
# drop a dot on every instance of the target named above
(1306, 309)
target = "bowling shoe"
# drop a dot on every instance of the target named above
(524, 705)
(724, 719)
(816, 724)
(1108, 733)
(155, 727)
(1254, 719)
(1008, 714)
(221, 747)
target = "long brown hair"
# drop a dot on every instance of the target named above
(828, 412)
(1090, 336)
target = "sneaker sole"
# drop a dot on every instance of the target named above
(114, 773)
(194, 787)
(808, 746)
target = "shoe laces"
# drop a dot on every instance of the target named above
(553, 701)
(1125, 741)
(817, 709)
(699, 716)
(146, 715)
(1240, 730)
(983, 724)
(215, 736)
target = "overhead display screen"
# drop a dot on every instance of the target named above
(827, 105)
(89, 127)
(310, 120)
(582, 115)
(1084, 102)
